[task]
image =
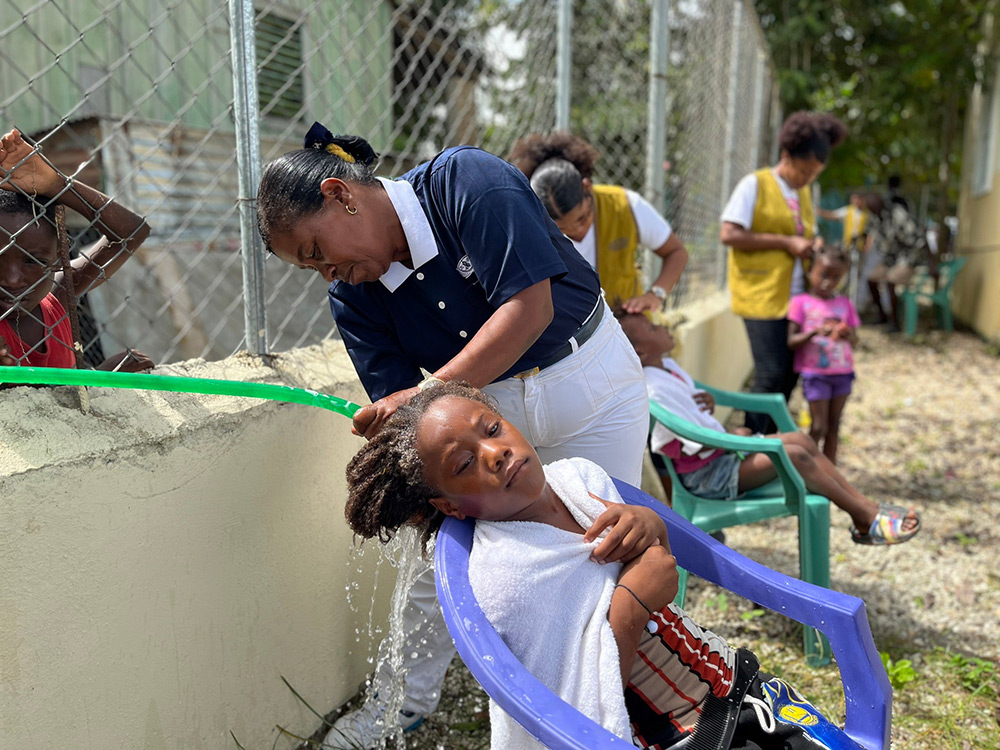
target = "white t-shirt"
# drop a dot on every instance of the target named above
(654, 230)
(739, 210)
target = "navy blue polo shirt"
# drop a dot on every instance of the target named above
(480, 236)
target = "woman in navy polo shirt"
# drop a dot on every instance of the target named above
(456, 269)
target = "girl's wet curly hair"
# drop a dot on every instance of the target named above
(385, 479)
(536, 149)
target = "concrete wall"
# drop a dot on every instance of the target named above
(976, 294)
(167, 557)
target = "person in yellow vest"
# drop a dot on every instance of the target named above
(606, 223)
(854, 218)
(770, 227)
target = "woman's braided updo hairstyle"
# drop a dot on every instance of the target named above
(385, 479)
(289, 187)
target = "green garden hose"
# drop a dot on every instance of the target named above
(176, 384)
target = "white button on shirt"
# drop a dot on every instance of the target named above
(441, 304)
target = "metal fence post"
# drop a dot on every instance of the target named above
(564, 62)
(656, 132)
(729, 153)
(248, 159)
(758, 106)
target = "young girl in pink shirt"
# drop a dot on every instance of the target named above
(821, 331)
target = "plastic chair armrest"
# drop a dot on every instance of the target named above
(791, 480)
(772, 404)
(842, 618)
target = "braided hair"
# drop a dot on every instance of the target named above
(289, 187)
(385, 479)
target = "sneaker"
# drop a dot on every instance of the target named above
(364, 729)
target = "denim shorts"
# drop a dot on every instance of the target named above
(716, 480)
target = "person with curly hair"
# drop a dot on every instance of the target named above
(606, 223)
(770, 227)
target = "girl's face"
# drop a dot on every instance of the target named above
(650, 341)
(337, 244)
(576, 222)
(825, 276)
(799, 171)
(27, 264)
(478, 462)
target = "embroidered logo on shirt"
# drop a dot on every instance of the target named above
(464, 267)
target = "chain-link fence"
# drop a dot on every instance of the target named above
(141, 102)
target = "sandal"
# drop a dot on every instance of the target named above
(887, 528)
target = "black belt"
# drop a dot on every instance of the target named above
(577, 340)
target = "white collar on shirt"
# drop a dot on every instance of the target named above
(417, 229)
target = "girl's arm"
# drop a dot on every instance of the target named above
(796, 337)
(646, 585)
(123, 231)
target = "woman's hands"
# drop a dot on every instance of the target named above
(634, 529)
(368, 420)
(34, 176)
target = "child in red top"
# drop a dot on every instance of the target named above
(821, 332)
(34, 325)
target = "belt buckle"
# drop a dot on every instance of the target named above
(527, 373)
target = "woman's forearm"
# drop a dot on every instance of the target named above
(504, 338)
(740, 238)
(675, 258)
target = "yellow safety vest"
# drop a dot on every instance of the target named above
(617, 238)
(760, 281)
(854, 227)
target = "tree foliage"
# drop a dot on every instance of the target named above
(898, 73)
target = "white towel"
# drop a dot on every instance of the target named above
(674, 391)
(549, 602)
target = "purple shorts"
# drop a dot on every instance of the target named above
(817, 387)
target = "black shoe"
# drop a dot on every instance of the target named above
(719, 536)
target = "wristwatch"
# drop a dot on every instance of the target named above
(660, 293)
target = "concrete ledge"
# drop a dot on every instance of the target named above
(167, 557)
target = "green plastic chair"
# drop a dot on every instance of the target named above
(785, 496)
(922, 287)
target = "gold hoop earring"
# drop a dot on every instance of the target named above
(351, 211)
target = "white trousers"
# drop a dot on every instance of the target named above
(592, 404)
